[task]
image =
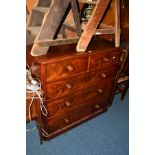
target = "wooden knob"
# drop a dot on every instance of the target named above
(103, 75)
(97, 106)
(68, 86)
(106, 59)
(100, 91)
(66, 120)
(67, 103)
(70, 68)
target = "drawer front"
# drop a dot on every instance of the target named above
(77, 114)
(65, 68)
(101, 60)
(66, 87)
(64, 105)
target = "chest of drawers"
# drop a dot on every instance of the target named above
(77, 86)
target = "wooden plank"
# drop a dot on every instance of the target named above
(92, 24)
(36, 17)
(117, 23)
(104, 31)
(37, 51)
(34, 30)
(88, 1)
(63, 32)
(41, 9)
(76, 16)
(101, 26)
(53, 19)
(29, 38)
(69, 27)
(44, 3)
(50, 42)
(41, 47)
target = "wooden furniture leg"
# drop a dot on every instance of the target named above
(39, 120)
(125, 90)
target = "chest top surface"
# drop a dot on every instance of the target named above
(68, 51)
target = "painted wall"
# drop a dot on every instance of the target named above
(30, 4)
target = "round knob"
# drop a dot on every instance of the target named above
(66, 120)
(67, 103)
(103, 75)
(106, 59)
(97, 106)
(100, 91)
(70, 68)
(68, 86)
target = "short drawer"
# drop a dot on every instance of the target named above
(69, 86)
(76, 115)
(59, 106)
(104, 60)
(65, 68)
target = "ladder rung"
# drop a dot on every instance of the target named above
(41, 9)
(104, 30)
(69, 25)
(34, 30)
(88, 1)
(51, 42)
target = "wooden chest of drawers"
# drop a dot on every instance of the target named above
(77, 86)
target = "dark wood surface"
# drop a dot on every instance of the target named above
(35, 112)
(77, 86)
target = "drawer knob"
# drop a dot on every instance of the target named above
(97, 106)
(67, 103)
(106, 59)
(103, 75)
(66, 120)
(68, 86)
(70, 68)
(100, 91)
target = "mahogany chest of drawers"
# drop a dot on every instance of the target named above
(77, 86)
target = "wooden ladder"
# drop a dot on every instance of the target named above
(47, 24)
(91, 28)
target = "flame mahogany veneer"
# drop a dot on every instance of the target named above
(77, 86)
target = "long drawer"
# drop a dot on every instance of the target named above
(76, 115)
(65, 87)
(63, 105)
